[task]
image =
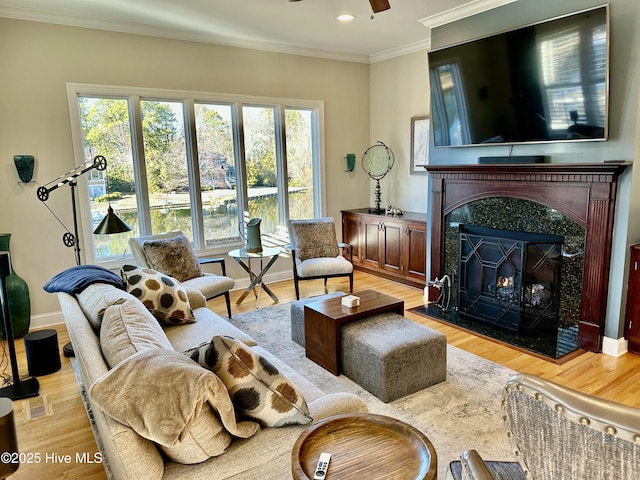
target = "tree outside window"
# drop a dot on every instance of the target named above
(178, 163)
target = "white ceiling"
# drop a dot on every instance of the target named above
(305, 27)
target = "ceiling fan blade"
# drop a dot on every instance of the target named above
(379, 5)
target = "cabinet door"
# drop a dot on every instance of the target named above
(415, 251)
(391, 246)
(632, 317)
(371, 252)
(351, 226)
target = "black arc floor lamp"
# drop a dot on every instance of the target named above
(110, 224)
(19, 389)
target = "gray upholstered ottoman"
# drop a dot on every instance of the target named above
(392, 356)
(297, 315)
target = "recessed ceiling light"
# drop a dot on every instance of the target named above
(346, 17)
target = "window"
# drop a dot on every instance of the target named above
(217, 165)
(194, 162)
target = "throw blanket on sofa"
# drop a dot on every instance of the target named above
(166, 394)
(75, 279)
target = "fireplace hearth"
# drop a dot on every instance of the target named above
(510, 279)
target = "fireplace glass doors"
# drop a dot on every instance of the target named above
(510, 279)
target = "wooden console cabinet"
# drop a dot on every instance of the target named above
(390, 246)
(632, 316)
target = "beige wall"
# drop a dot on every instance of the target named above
(399, 91)
(38, 60)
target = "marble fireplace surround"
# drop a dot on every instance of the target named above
(585, 193)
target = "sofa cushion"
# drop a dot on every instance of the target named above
(258, 390)
(208, 324)
(163, 295)
(314, 238)
(205, 438)
(173, 256)
(166, 402)
(128, 328)
(95, 299)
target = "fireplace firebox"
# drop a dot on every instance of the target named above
(510, 279)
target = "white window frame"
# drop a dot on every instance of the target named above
(133, 95)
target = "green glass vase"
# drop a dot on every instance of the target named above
(18, 295)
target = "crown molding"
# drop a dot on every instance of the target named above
(146, 30)
(472, 8)
(463, 11)
(398, 52)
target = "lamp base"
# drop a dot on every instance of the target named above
(67, 350)
(25, 389)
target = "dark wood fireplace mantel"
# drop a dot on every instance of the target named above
(585, 193)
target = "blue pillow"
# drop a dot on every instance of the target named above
(75, 279)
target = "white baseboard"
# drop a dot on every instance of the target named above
(615, 347)
(46, 320)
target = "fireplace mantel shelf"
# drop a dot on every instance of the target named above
(607, 168)
(585, 192)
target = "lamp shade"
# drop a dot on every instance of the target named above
(111, 223)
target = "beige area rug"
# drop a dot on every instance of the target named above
(461, 413)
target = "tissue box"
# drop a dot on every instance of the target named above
(350, 301)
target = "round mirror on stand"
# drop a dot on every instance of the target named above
(377, 160)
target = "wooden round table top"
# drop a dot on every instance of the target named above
(364, 446)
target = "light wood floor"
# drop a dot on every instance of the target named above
(59, 429)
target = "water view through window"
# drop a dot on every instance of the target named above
(192, 174)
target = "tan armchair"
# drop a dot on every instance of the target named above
(558, 433)
(316, 253)
(172, 254)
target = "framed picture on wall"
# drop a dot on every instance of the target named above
(419, 144)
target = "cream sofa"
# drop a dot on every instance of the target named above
(128, 455)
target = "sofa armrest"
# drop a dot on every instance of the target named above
(196, 298)
(473, 467)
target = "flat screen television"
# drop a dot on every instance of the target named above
(546, 82)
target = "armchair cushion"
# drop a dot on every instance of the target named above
(314, 238)
(210, 285)
(173, 256)
(317, 267)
